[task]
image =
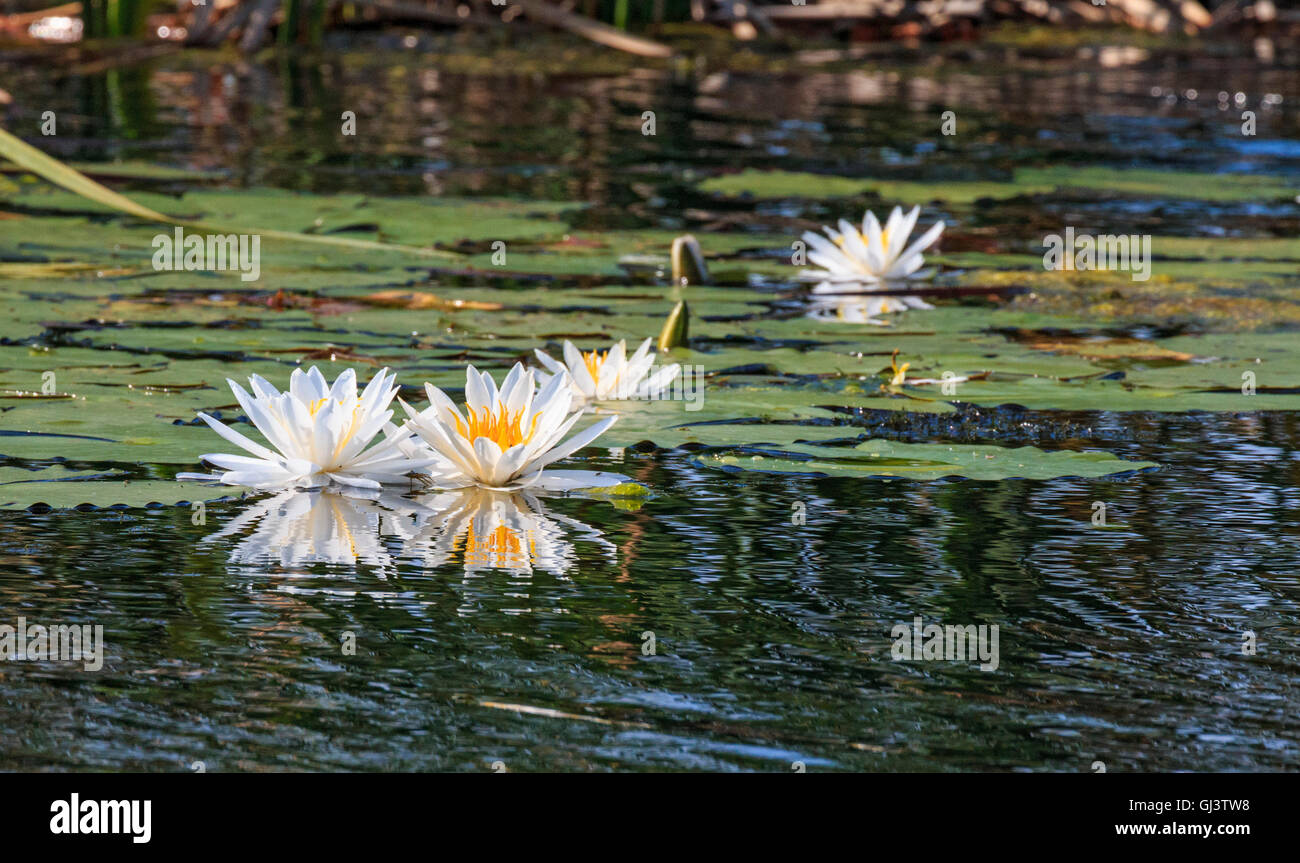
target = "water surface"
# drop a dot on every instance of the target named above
(525, 639)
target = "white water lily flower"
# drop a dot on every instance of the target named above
(319, 434)
(507, 437)
(872, 255)
(612, 374)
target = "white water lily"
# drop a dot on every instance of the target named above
(872, 255)
(320, 433)
(507, 437)
(611, 374)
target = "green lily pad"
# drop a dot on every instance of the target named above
(60, 487)
(1092, 180)
(623, 489)
(137, 352)
(732, 434)
(881, 458)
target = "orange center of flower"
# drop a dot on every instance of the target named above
(502, 428)
(593, 359)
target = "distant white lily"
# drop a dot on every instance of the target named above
(611, 374)
(507, 437)
(872, 255)
(319, 434)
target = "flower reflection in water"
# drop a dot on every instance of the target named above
(296, 527)
(474, 527)
(858, 308)
(499, 530)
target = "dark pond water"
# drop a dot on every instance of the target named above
(524, 637)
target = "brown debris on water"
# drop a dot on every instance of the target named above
(1094, 347)
(398, 299)
(1114, 297)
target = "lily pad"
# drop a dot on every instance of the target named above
(60, 487)
(1092, 180)
(887, 459)
(105, 361)
(735, 434)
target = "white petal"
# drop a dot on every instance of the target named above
(237, 439)
(924, 243)
(489, 459)
(548, 361)
(578, 369)
(898, 236)
(575, 443)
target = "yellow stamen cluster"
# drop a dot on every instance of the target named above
(593, 359)
(884, 238)
(502, 428)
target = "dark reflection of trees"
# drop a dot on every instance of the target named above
(428, 125)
